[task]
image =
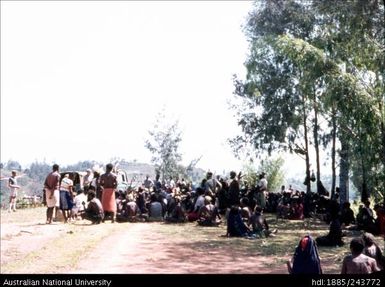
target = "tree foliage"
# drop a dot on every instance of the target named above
(317, 60)
(164, 144)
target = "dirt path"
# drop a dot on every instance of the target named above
(139, 249)
(29, 246)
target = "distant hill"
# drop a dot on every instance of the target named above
(32, 178)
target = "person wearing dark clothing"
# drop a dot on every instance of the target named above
(380, 220)
(235, 225)
(94, 211)
(177, 214)
(334, 237)
(365, 219)
(223, 203)
(306, 259)
(141, 200)
(347, 214)
(233, 189)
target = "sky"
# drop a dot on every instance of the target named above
(85, 80)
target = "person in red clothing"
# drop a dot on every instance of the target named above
(380, 220)
(108, 182)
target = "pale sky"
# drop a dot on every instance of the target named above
(84, 80)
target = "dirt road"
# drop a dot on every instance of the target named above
(122, 248)
(31, 247)
(139, 249)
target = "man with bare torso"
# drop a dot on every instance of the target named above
(108, 182)
(51, 187)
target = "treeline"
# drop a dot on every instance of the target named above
(315, 80)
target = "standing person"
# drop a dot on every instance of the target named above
(233, 189)
(212, 185)
(95, 184)
(108, 182)
(261, 188)
(12, 184)
(66, 200)
(51, 187)
(148, 182)
(87, 179)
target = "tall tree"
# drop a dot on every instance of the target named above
(299, 49)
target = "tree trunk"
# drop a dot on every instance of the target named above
(382, 108)
(316, 144)
(344, 171)
(334, 135)
(307, 160)
(364, 191)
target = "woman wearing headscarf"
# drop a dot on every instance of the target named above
(306, 259)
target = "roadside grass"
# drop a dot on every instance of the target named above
(279, 248)
(63, 253)
(23, 215)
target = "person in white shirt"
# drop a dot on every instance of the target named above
(78, 207)
(261, 189)
(12, 184)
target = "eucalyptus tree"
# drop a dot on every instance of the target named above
(277, 114)
(353, 33)
(317, 58)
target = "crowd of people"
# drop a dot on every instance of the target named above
(217, 200)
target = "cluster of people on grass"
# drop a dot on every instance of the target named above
(365, 258)
(218, 200)
(170, 201)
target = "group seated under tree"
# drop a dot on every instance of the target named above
(215, 197)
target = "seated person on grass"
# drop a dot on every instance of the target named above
(235, 225)
(373, 250)
(245, 209)
(347, 214)
(357, 262)
(155, 209)
(208, 214)
(130, 210)
(78, 208)
(380, 220)
(259, 224)
(296, 210)
(177, 214)
(334, 237)
(305, 259)
(198, 203)
(365, 219)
